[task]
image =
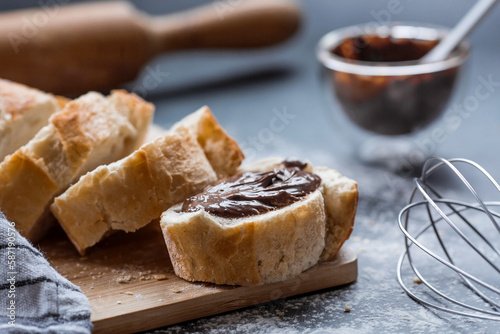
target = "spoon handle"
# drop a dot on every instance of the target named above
(460, 31)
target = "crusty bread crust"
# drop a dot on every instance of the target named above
(222, 151)
(89, 131)
(129, 193)
(25, 189)
(23, 111)
(253, 250)
(341, 200)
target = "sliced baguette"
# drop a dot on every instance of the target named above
(23, 111)
(265, 248)
(130, 193)
(89, 131)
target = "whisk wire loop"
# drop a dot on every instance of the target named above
(463, 219)
(447, 219)
(462, 178)
(434, 205)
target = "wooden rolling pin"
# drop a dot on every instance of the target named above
(70, 50)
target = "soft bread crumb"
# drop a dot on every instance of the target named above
(347, 308)
(176, 290)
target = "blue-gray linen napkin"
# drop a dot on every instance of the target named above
(34, 297)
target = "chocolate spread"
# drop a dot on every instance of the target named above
(391, 105)
(251, 194)
(290, 163)
(383, 49)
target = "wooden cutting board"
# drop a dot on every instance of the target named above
(131, 285)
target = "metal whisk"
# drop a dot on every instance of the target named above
(452, 260)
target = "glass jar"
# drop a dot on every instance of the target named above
(383, 101)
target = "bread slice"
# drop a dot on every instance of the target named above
(23, 111)
(90, 131)
(130, 193)
(265, 248)
(222, 151)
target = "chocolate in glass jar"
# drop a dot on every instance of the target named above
(391, 105)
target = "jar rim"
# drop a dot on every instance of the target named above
(418, 31)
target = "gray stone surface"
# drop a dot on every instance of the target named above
(245, 90)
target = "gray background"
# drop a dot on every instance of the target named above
(244, 87)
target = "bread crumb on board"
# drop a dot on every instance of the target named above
(123, 279)
(160, 277)
(142, 276)
(118, 302)
(176, 290)
(347, 308)
(280, 314)
(417, 280)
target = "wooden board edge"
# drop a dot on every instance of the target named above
(342, 270)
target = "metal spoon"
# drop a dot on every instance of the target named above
(460, 31)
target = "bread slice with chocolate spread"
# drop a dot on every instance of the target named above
(271, 246)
